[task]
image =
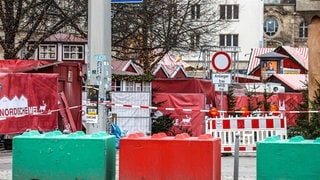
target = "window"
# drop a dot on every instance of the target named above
(48, 52)
(73, 52)
(195, 11)
(117, 85)
(229, 11)
(129, 86)
(270, 26)
(194, 41)
(229, 40)
(138, 87)
(146, 86)
(303, 30)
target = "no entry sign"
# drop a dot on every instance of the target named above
(221, 61)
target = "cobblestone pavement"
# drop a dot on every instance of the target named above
(247, 167)
(5, 165)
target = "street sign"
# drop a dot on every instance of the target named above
(221, 87)
(221, 61)
(126, 1)
(221, 78)
(100, 57)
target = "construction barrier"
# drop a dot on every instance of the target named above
(54, 155)
(250, 129)
(160, 157)
(293, 159)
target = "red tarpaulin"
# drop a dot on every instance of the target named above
(25, 99)
(290, 100)
(193, 121)
(186, 86)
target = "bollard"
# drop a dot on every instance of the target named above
(292, 159)
(166, 157)
(54, 155)
(236, 158)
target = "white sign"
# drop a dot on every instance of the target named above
(221, 78)
(91, 119)
(221, 87)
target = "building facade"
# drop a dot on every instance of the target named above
(256, 24)
(283, 25)
(243, 32)
(310, 10)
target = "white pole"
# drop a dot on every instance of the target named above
(99, 56)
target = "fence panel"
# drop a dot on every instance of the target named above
(132, 120)
(250, 129)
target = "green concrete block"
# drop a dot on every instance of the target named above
(53, 156)
(293, 159)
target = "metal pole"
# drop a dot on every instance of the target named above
(236, 158)
(221, 105)
(99, 57)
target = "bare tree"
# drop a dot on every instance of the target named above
(23, 20)
(145, 32)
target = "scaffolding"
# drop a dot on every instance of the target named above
(205, 58)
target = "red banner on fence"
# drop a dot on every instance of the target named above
(25, 100)
(184, 120)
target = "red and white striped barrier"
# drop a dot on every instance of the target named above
(250, 130)
(107, 103)
(266, 122)
(166, 108)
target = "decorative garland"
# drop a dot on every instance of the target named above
(133, 78)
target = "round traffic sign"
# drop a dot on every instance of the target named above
(221, 61)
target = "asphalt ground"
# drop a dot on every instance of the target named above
(246, 169)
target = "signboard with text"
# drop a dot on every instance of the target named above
(221, 87)
(221, 81)
(26, 102)
(221, 78)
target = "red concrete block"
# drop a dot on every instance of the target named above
(162, 157)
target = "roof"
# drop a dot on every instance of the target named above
(254, 61)
(18, 65)
(161, 67)
(171, 64)
(294, 81)
(121, 68)
(298, 54)
(61, 37)
(179, 68)
(272, 55)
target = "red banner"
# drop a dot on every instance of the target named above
(25, 102)
(192, 121)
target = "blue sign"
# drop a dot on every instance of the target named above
(100, 57)
(126, 1)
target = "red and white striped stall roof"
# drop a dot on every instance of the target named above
(254, 61)
(294, 81)
(299, 54)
